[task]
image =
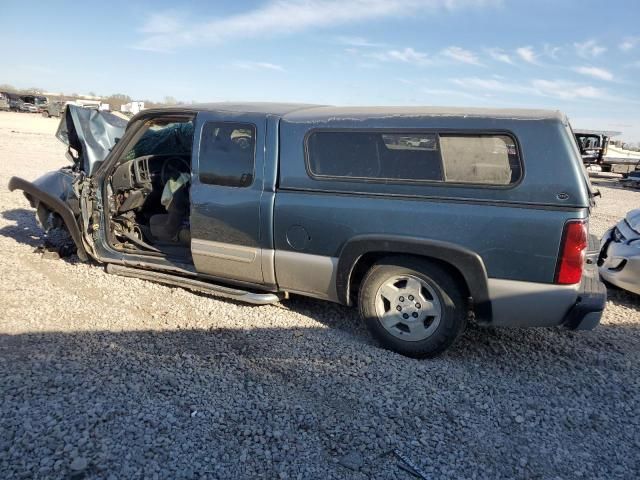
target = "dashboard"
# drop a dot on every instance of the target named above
(148, 171)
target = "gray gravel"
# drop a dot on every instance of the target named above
(109, 377)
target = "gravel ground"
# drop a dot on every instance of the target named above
(110, 377)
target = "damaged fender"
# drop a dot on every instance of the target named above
(91, 133)
(53, 192)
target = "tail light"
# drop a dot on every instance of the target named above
(572, 253)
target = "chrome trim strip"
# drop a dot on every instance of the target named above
(227, 251)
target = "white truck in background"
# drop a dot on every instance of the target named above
(132, 107)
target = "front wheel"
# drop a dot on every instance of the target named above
(412, 306)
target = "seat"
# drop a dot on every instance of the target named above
(168, 227)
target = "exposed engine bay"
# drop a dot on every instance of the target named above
(149, 193)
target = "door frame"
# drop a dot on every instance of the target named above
(246, 253)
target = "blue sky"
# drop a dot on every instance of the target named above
(578, 56)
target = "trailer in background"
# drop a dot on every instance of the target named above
(132, 107)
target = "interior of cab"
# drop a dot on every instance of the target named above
(148, 190)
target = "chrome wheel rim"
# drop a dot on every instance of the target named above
(408, 308)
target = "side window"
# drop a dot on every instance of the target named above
(375, 155)
(486, 159)
(489, 159)
(227, 154)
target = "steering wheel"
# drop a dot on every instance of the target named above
(169, 169)
(242, 141)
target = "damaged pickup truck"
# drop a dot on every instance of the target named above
(421, 217)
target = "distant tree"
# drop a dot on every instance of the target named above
(151, 104)
(5, 87)
(170, 100)
(116, 100)
(34, 90)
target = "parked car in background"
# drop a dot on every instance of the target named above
(14, 101)
(419, 217)
(38, 101)
(619, 259)
(600, 153)
(54, 109)
(27, 107)
(4, 102)
(593, 146)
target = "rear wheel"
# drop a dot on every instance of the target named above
(412, 306)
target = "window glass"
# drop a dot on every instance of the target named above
(488, 159)
(227, 154)
(375, 155)
(163, 137)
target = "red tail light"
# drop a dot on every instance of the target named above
(572, 252)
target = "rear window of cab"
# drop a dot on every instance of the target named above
(408, 157)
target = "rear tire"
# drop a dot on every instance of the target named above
(412, 306)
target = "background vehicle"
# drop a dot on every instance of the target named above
(14, 101)
(4, 102)
(593, 145)
(27, 107)
(38, 101)
(417, 216)
(54, 109)
(619, 259)
(598, 150)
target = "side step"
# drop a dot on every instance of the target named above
(192, 284)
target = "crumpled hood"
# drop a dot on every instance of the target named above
(633, 220)
(91, 133)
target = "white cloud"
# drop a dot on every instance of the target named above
(559, 89)
(246, 65)
(461, 55)
(488, 84)
(500, 55)
(595, 72)
(527, 54)
(169, 21)
(566, 90)
(358, 42)
(407, 55)
(629, 43)
(589, 49)
(165, 31)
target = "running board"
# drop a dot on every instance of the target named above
(192, 284)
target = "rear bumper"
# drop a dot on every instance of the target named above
(587, 311)
(528, 304)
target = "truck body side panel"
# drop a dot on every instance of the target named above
(516, 230)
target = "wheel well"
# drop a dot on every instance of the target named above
(366, 261)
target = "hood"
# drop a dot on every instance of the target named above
(633, 220)
(91, 133)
